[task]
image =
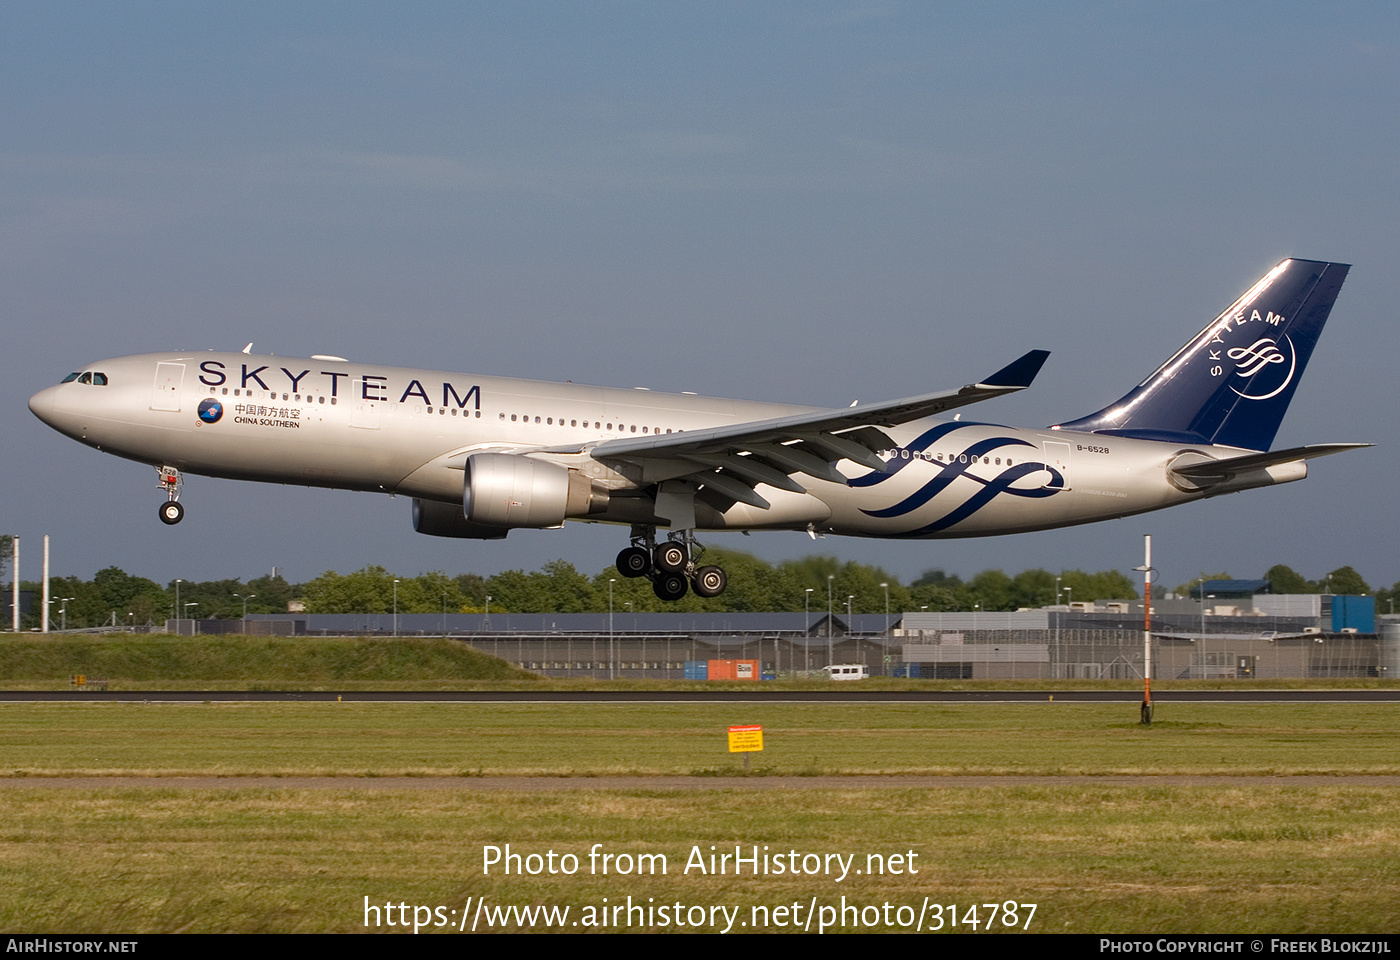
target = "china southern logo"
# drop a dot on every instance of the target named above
(210, 411)
(1264, 357)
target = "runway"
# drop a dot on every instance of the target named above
(688, 783)
(705, 696)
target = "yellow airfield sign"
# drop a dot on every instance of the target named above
(745, 739)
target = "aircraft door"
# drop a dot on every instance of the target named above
(165, 393)
(365, 412)
(1057, 457)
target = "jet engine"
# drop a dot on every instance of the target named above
(446, 520)
(508, 490)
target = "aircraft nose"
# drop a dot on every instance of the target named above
(44, 404)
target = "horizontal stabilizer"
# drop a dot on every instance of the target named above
(1206, 472)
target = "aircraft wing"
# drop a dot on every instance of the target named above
(727, 463)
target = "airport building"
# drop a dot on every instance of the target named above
(1260, 637)
(1221, 636)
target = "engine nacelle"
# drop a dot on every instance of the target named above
(446, 520)
(509, 490)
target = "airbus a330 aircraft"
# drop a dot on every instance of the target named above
(482, 455)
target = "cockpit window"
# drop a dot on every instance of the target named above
(87, 376)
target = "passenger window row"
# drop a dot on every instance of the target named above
(597, 424)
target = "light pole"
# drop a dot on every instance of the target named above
(1147, 571)
(396, 608)
(885, 653)
(178, 581)
(807, 629)
(63, 612)
(849, 598)
(829, 578)
(186, 612)
(612, 661)
(1205, 657)
(245, 606)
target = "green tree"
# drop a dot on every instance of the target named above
(937, 578)
(369, 590)
(938, 599)
(811, 571)
(1033, 588)
(270, 595)
(1103, 585)
(992, 590)
(473, 589)
(85, 609)
(132, 599)
(520, 592)
(1284, 579)
(1345, 581)
(1385, 599)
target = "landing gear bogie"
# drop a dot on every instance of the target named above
(670, 565)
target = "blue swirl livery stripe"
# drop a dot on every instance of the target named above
(919, 443)
(992, 489)
(947, 475)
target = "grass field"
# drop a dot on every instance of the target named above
(570, 739)
(1148, 857)
(1093, 859)
(164, 662)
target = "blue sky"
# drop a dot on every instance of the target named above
(811, 203)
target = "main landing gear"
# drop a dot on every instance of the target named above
(670, 565)
(172, 511)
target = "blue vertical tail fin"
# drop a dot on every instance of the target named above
(1232, 383)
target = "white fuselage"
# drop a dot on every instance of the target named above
(357, 426)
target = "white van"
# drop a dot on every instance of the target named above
(846, 671)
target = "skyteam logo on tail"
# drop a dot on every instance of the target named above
(1271, 356)
(1261, 356)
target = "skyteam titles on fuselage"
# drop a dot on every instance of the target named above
(371, 386)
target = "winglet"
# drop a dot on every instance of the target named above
(1018, 373)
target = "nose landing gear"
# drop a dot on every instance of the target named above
(172, 511)
(670, 565)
